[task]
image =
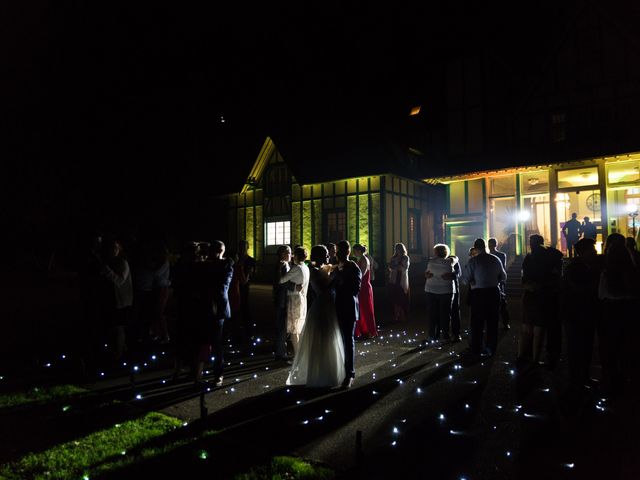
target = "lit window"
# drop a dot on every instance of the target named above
(336, 225)
(415, 111)
(279, 233)
(578, 177)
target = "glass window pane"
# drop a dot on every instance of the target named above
(503, 220)
(578, 177)
(534, 182)
(279, 233)
(475, 194)
(623, 172)
(501, 186)
(456, 198)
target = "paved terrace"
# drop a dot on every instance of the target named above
(414, 412)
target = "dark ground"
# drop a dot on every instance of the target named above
(414, 412)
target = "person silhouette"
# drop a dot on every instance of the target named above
(345, 284)
(588, 229)
(504, 312)
(280, 301)
(571, 231)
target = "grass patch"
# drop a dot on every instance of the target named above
(97, 453)
(38, 395)
(289, 468)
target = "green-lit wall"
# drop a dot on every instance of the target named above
(359, 196)
(378, 210)
(246, 221)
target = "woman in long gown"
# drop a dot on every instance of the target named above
(366, 325)
(319, 360)
(399, 282)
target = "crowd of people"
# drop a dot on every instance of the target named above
(324, 303)
(592, 299)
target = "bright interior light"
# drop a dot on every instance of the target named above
(631, 207)
(524, 215)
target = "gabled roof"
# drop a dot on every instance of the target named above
(326, 154)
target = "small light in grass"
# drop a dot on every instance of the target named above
(185, 424)
(153, 357)
(66, 408)
(441, 416)
(63, 357)
(305, 422)
(233, 389)
(394, 443)
(255, 375)
(512, 372)
(450, 377)
(117, 425)
(203, 455)
(419, 390)
(102, 374)
(466, 405)
(321, 417)
(508, 454)
(138, 397)
(569, 465)
(47, 365)
(395, 430)
(123, 452)
(135, 368)
(164, 381)
(499, 407)
(374, 392)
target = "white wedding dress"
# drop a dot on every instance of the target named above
(319, 361)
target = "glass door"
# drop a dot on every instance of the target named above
(503, 218)
(535, 218)
(584, 203)
(623, 209)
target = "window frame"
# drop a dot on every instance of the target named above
(266, 231)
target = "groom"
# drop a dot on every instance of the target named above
(345, 286)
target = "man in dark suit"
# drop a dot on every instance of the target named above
(220, 273)
(345, 286)
(280, 302)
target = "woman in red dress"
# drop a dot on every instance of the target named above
(366, 325)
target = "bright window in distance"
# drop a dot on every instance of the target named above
(279, 233)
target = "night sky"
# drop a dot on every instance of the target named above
(112, 112)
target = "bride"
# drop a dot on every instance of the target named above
(319, 361)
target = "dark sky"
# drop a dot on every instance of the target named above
(112, 111)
